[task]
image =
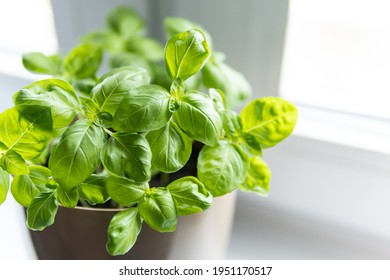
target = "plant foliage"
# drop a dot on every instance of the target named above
(79, 138)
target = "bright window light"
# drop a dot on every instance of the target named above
(25, 26)
(337, 55)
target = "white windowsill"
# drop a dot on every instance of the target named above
(355, 131)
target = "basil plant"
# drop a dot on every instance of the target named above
(75, 139)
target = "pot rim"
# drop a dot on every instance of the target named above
(95, 209)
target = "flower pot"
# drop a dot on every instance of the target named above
(81, 233)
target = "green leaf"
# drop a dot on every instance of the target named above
(26, 130)
(114, 86)
(126, 59)
(128, 155)
(125, 21)
(258, 177)
(123, 231)
(68, 199)
(253, 142)
(147, 47)
(198, 118)
(76, 155)
(90, 108)
(232, 83)
(222, 168)
(171, 148)
(143, 109)
(54, 93)
(190, 195)
(4, 185)
(185, 54)
(271, 119)
(158, 210)
(39, 175)
(13, 163)
(107, 40)
(84, 86)
(174, 25)
(232, 124)
(82, 61)
(218, 99)
(124, 191)
(25, 188)
(37, 62)
(42, 211)
(94, 190)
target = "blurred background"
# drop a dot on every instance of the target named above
(330, 191)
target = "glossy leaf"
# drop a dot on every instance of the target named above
(4, 185)
(123, 231)
(25, 188)
(232, 124)
(171, 147)
(39, 175)
(76, 155)
(190, 195)
(68, 199)
(271, 119)
(258, 177)
(114, 86)
(174, 25)
(124, 191)
(90, 108)
(94, 190)
(222, 168)
(83, 61)
(54, 93)
(125, 21)
(252, 142)
(158, 210)
(232, 83)
(144, 109)
(42, 211)
(37, 62)
(26, 130)
(198, 118)
(128, 155)
(13, 163)
(185, 54)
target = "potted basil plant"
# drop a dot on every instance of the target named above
(122, 140)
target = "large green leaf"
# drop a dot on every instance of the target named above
(13, 163)
(54, 93)
(123, 231)
(222, 168)
(143, 109)
(25, 188)
(26, 130)
(158, 210)
(171, 148)
(270, 119)
(82, 61)
(4, 185)
(217, 74)
(124, 191)
(190, 195)
(198, 118)
(128, 155)
(42, 211)
(114, 86)
(186, 53)
(258, 177)
(37, 62)
(76, 155)
(93, 189)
